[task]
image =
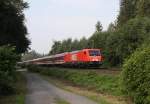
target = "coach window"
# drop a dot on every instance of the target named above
(85, 52)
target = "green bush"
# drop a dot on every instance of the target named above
(7, 69)
(136, 75)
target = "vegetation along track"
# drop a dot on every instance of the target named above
(111, 71)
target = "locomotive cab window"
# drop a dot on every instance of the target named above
(94, 53)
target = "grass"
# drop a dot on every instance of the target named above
(61, 101)
(19, 96)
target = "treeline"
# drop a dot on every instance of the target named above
(73, 45)
(130, 31)
(13, 42)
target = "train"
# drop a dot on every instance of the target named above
(80, 58)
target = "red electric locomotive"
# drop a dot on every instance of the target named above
(84, 57)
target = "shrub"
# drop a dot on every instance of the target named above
(7, 69)
(136, 75)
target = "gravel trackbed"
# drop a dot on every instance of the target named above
(42, 92)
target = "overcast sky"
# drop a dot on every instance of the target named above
(49, 20)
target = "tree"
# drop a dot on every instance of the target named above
(130, 9)
(127, 11)
(83, 43)
(68, 45)
(111, 27)
(12, 29)
(143, 8)
(127, 39)
(75, 45)
(99, 27)
(56, 48)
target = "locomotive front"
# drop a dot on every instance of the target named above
(94, 57)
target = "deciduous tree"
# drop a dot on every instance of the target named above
(12, 29)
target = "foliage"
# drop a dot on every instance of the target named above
(12, 29)
(127, 11)
(7, 69)
(98, 40)
(92, 80)
(56, 47)
(130, 9)
(136, 75)
(68, 45)
(123, 42)
(143, 8)
(83, 43)
(20, 91)
(111, 27)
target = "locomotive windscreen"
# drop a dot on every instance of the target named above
(94, 53)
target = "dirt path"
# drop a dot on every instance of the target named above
(42, 92)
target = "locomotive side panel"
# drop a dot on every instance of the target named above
(83, 56)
